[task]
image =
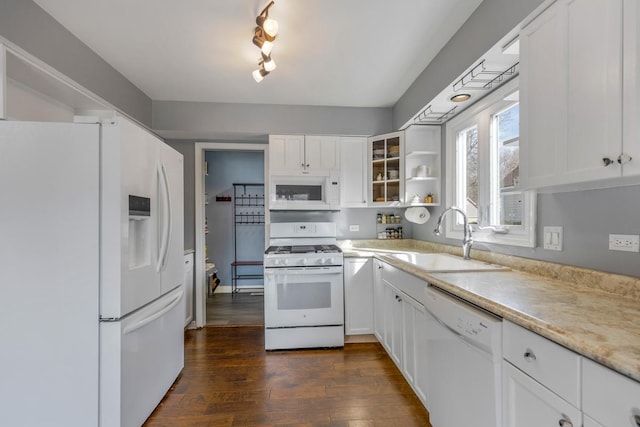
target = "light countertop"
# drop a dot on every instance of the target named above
(592, 313)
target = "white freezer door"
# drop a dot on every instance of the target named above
(129, 239)
(49, 274)
(140, 357)
(171, 218)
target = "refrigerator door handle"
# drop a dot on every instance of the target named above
(145, 321)
(166, 218)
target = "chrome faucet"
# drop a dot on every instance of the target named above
(467, 240)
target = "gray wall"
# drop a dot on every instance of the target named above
(490, 22)
(254, 122)
(25, 24)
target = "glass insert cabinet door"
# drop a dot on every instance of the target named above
(386, 162)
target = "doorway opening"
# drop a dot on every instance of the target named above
(230, 232)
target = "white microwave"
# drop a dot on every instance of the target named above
(311, 192)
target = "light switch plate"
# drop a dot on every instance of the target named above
(553, 238)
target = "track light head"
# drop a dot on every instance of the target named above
(269, 64)
(259, 74)
(269, 27)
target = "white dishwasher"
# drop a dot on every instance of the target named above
(464, 363)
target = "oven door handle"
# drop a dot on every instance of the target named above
(303, 270)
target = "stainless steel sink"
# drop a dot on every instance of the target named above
(445, 263)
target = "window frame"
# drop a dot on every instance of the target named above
(481, 114)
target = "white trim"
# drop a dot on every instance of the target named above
(480, 114)
(200, 272)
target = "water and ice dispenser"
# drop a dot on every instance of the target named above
(139, 231)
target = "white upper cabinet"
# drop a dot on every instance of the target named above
(386, 171)
(571, 93)
(353, 171)
(631, 94)
(286, 152)
(321, 153)
(303, 154)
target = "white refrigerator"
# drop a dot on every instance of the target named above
(91, 270)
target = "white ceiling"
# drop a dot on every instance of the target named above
(361, 53)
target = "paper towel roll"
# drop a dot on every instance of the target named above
(417, 215)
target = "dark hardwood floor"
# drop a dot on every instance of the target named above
(230, 380)
(243, 308)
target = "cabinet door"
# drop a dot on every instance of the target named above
(393, 323)
(608, 397)
(321, 153)
(631, 95)
(589, 422)
(386, 158)
(571, 93)
(594, 89)
(527, 403)
(353, 172)
(542, 98)
(286, 152)
(414, 338)
(378, 301)
(358, 296)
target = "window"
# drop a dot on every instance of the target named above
(483, 148)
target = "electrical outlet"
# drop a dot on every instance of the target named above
(355, 227)
(624, 242)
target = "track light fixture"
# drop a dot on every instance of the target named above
(263, 36)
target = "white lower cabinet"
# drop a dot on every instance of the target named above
(400, 323)
(540, 379)
(415, 346)
(527, 403)
(358, 296)
(378, 301)
(608, 398)
(392, 306)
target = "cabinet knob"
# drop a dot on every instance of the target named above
(606, 161)
(530, 356)
(564, 422)
(379, 267)
(624, 158)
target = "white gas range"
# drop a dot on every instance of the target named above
(303, 288)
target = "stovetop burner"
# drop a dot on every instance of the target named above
(303, 249)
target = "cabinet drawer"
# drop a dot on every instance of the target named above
(547, 362)
(412, 286)
(611, 399)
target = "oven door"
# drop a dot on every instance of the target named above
(305, 296)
